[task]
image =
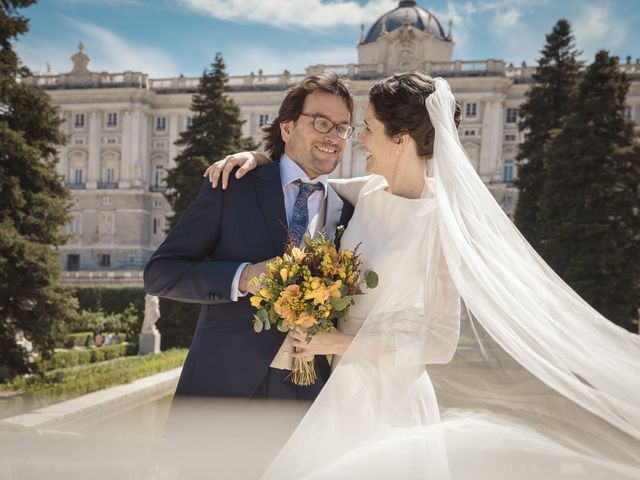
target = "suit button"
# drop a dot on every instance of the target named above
(216, 296)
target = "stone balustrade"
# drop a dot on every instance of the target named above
(260, 80)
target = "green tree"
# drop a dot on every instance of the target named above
(216, 131)
(590, 210)
(546, 103)
(33, 207)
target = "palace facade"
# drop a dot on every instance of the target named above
(123, 127)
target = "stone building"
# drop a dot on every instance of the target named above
(122, 128)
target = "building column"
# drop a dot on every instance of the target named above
(173, 136)
(134, 160)
(93, 173)
(125, 157)
(143, 153)
(492, 129)
(63, 152)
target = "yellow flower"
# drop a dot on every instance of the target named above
(305, 320)
(334, 290)
(284, 274)
(255, 301)
(264, 293)
(319, 295)
(297, 254)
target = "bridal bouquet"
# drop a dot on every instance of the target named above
(306, 290)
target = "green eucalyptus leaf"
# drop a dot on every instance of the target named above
(262, 315)
(371, 278)
(282, 327)
(258, 325)
(340, 304)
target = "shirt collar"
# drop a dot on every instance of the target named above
(290, 171)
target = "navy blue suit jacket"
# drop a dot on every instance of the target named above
(196, 263)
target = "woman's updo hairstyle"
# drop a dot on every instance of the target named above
(398, 102)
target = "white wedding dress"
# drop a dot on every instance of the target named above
(388, 232)
(526, 381)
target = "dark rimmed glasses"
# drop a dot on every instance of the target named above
(324, 125)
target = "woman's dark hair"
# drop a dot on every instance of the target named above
(293, 102)
(398, 102)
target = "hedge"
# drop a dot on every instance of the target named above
(110, 299)
(177, 322)
(60, 385)
(75, 357)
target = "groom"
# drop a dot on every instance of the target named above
(225, 237)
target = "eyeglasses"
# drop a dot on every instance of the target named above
(324, 125)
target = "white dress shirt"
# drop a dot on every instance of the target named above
(290, 171)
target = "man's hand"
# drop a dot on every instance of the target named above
(249, 272)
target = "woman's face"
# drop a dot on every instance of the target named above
(382, 151)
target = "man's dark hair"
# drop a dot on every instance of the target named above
(293, 102)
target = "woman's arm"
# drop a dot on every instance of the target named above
(349, 188)
(333, 343)
(247, 161)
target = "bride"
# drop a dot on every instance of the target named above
(526, 381)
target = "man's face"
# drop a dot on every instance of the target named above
(316, 153)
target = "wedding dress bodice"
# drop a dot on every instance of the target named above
(383, 227)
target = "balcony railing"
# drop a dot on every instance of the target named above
(155, 188)
(107, 185)
(76, 186)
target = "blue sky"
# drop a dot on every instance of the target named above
(165, 38)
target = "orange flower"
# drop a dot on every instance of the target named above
(285, 312)
(292, 292)
(305, 320)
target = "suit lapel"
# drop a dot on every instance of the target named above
(332, 216)
(269, 188)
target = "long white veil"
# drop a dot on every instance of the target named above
(526, 380)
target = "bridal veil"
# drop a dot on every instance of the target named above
(517, 378)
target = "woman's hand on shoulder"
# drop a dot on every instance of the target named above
(221, 169)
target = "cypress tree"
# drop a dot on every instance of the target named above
(590, 210)
(546, 104)
(216, 131)
(33, 207)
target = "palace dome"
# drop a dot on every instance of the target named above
(407, 11)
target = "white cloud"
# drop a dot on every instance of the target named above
(460, 14)
(36, 54)
(503, 20)
(107, 51)
(315, 14)
(596, 28)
